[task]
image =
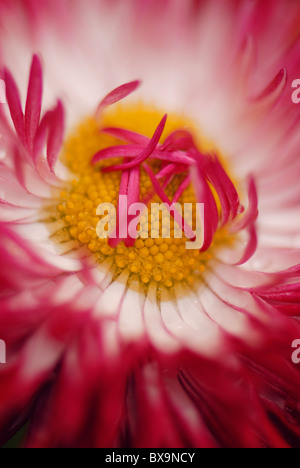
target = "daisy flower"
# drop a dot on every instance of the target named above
(119, 341)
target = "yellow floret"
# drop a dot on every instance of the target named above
(164, 261)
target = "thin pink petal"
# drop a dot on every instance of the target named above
(251, 214)
(126, 135)
(275, 88)
(133, 197)
(50, 130)
(181, 189)
(205, 196)
(225, 188)
(177, 217)
(14, 104)
(121, 151)
(132, 151)
(116, 239)
(178, 140)
(117, 95)
(251, 246)
(41, 136)
(145, 154)
(56, 135)
(34, 101)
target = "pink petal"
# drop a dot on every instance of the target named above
(226, 190)
(211, 215)
(121, 151)
(145, 154)
(177, 217)
(126, 135)
(117, 95)
(51, 129)
(178, 140)
(114, 241)
(251, 246)
(251, 214)
(275, 88)
(56, 135)
(15, 106)
(181, 189)
(34, 101)
(133, 197)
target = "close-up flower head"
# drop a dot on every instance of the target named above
(150, 225)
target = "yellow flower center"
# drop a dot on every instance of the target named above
(158, 259)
